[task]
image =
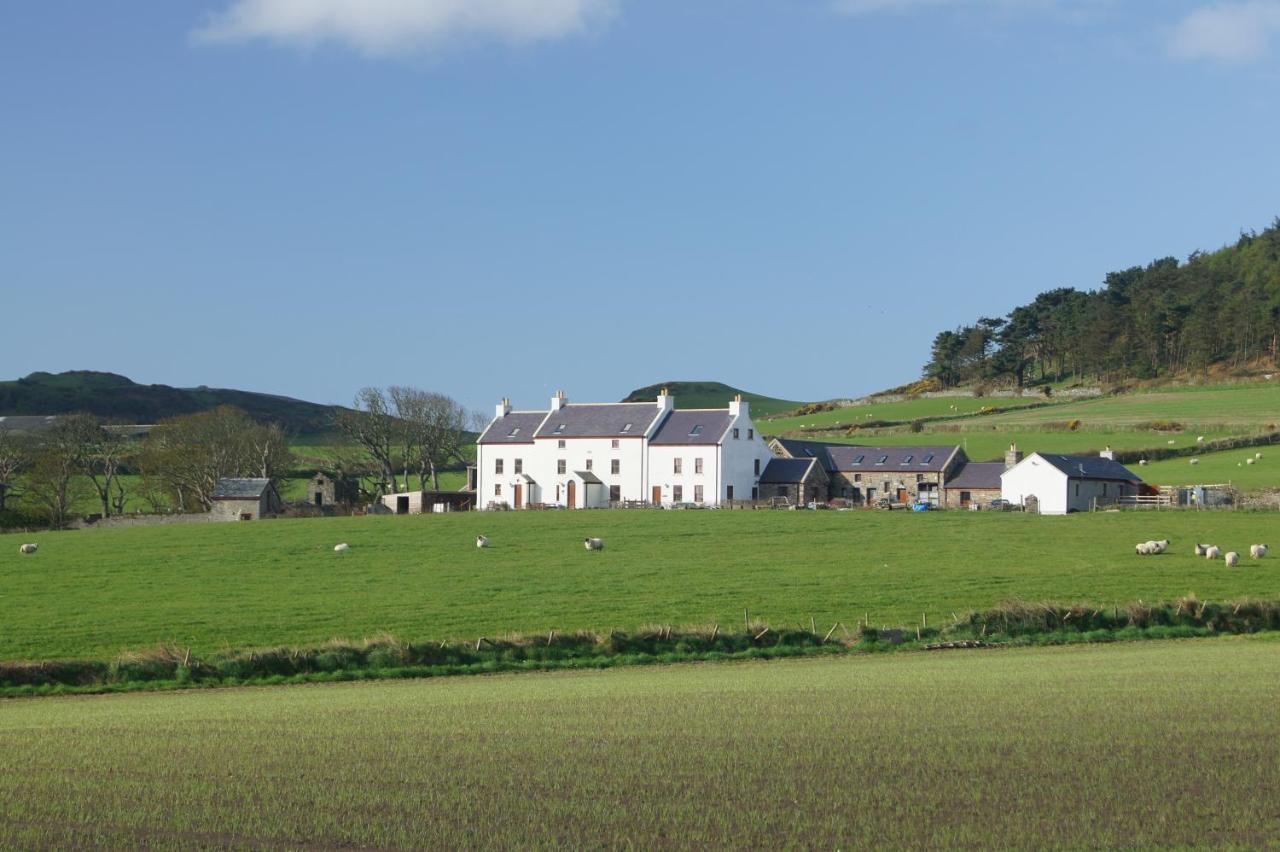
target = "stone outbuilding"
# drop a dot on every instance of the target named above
(799, 481)
(863, 475)
(974, 486)
(237, 499)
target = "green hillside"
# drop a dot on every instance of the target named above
(117, 398)
(711, 395)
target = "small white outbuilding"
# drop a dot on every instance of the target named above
(1062, 484)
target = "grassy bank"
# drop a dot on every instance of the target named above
(1097, 746)
(92, 594)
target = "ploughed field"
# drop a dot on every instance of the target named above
(211, 587)
(1139, 744)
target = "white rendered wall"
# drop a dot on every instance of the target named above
(1035, 476)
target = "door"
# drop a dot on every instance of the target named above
(572, 492)
(402, 505)
(966, 497)
(519, 492)
(319, 498)
(657, 495)
(902, 495)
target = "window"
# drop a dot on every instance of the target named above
(497, 466)
(519, 467)
(751, 434)
(728, 491)
(857, 477)
(697, 465)
(588, 464)
(677, 493)
(615, 493)
(919, 477)
(559, 429)
(679, 466)
(560, 466)
(757, 467)
(626, 428)
(697, 493)
(615, 467)
(696, 430)
(885, 489)
(883, 459)
(1104, 489)
(735, 433)
(859, 459)
(907, 460)
(927, 459)
(560, 444)
(616, 443)
(513, 432)
(497, 490)
(1077, 489)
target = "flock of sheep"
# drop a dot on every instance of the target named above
(482, 541)
(1257, 457)
(1208, 551)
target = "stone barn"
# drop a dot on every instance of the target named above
(244, 500)
(322, 491)
(799, 481)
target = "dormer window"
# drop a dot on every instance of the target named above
(559, 429)
(513, 432)
(626, 428)
(696, 430)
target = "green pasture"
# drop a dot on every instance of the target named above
(92, 593)
(904, 410)
(1226, 466)
(1238, 408)
(1134, 745)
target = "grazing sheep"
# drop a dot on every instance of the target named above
(1171, 442)
(1257, 551)
(1142, 462)
(1200, 439)
(1212, 552)
(1257, 455)
(1200, 549)
(1232, 559)
(28, 548)
(1250, 461)
(482, 541)
(593, 543)
(1195, 461)
(1143, 548)
(341, 548)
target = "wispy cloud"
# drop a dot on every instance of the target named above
(1228, 32)
(874, 7)
(390, 27)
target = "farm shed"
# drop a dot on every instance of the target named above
(244, 499)
(422, 502)
(1063, 484)
(865, 474)
(800, 481)
(974, 484)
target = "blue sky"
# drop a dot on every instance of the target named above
(504, 197)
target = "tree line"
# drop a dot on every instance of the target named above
(1219, 309)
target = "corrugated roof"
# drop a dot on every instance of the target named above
(240, 489)
(1090, 467)
(603, 420)
(693, 426)
(852, 457)
(978, 475)
(781, 471)
(517, 427)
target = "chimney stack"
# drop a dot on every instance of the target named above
(504, 408)
(738, 407)
(558, 401)
(666, 402)
(1107, 454)
(1012, 457)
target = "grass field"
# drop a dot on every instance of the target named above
(1136, 745)
(1227, 466)
(94, 593)
(904, 410)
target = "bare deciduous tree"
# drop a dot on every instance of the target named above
(373, 425)
(15, 457)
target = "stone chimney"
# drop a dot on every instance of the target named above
(558, 401)
(739, 407)
(504, 408)
(1012, 457)
(666, 402)
(1107, 454)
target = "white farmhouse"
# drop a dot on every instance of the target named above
(592, 455)
(1059, 484)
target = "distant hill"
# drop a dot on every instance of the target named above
(121, 400)
(711, 395)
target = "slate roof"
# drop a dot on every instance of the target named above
(240, 489)
(783, 471)
(1090, 467)
(849, 457)
(588, 477)
(978, 475)
(678, 428)
(525, 423)
(603, 420)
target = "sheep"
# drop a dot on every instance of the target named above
(1200, 549)
(1250, 461)
(1232, 559)
(1195, 461)
(1212, 552)
(1257, 551)
(482, 541)
(1143, 548)
(341, 548)
(1171, 442)
(1257, 455)
(1200, 439)
(1142, 462)
(593, 543)
(28, 548)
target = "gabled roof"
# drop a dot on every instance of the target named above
(602, 420)
(516, 427)
(978, 475)
(784, 471)
(240, 489)
(854, 458)
(1089, 467)
(693, 426)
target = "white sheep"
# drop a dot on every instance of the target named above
(482, 541)
(1171, 442)
(1200, 439)
(593, 543)
(1195, 461)
(28, 548)
(1250, 461)
(1232, 559)
(1142, 462)
(1257, 455)
(341, 548)
(1143, 548)
(1200, 549)
(1212, 552)
(1257, 551)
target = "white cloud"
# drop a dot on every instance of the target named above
(1231, 32)
(873, 7)
(384, 27)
